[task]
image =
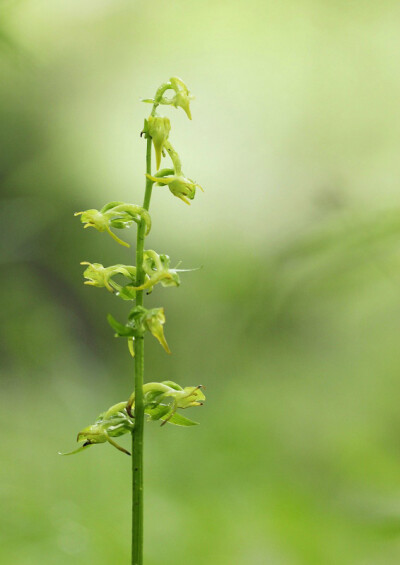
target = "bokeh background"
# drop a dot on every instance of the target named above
(293, 323)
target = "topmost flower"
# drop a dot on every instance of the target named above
(181, 99)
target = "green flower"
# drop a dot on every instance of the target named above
(101, 277)
(157, 270)
(182, 97)
(182, 398)
(158, 129)
(162, 400)
(141, 320)
(117, 215)
(180, 186)
(114, 422)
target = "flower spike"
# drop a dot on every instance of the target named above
(155, 401)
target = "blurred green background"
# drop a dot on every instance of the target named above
(293, 323)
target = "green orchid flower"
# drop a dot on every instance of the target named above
(141, 320)
(158, 270)
(102, 277)
(180, 186)
(158, 129)
(161, 402)
(156, 394)
(181, 99)
(117, 215)
(114, 422)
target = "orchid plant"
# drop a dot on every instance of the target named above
(155, 401)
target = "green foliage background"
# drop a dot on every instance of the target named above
(293, 324)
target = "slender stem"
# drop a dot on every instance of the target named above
(137, 433)
(174, 157)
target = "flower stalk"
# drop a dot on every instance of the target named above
(152, 401)
(137, 432)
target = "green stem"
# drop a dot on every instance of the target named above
(137, 434)
(174, 157)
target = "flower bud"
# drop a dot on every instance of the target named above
(158, 129)
(154, 320)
